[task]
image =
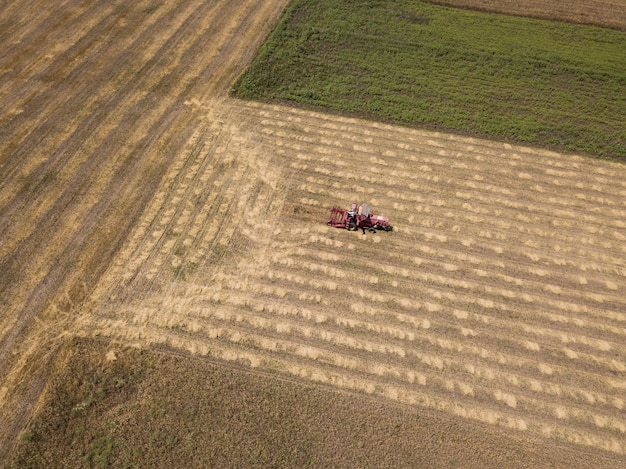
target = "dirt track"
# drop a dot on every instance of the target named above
(138, 202)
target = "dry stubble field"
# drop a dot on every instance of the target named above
(140, 204)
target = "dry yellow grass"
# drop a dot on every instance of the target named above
(473, 306)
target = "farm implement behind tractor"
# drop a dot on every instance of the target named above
(358, 217)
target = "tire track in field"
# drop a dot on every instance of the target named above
(466, 307)
(59, 167)
(94, 162)
(27, 25)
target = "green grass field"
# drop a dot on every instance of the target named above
(539, 82)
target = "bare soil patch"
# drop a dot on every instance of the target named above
(609, 13)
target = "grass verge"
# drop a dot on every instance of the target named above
(538, 82)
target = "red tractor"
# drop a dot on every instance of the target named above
(358, 217)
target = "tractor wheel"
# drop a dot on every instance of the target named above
(352, 225)
(388, 228)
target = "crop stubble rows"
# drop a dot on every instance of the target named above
(93, 94)
(498, 297)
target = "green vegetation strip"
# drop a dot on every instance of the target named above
(539, 82)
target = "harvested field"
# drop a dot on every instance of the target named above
(94, 96)
(140, 204)
(610, 13)
(499, 297)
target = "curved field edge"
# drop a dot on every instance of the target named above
(538, 82)
(113, 405)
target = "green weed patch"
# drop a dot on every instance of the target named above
(534, 81)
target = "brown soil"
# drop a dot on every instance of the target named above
(608, 13)
(138, 203)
